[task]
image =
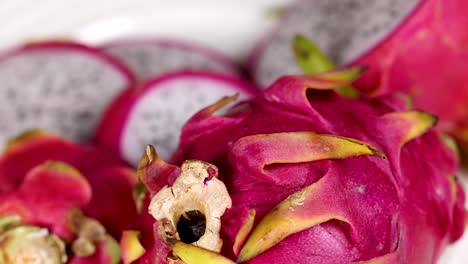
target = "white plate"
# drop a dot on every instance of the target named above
(231, 26)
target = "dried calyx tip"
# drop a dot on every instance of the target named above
(89, 232)
(190, 209)
(148, 156)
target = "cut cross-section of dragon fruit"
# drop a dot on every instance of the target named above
(416, 47)
(58, 86)
(152, 57)
(155, 113)
(343, 29)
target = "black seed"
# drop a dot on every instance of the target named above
(191, 226)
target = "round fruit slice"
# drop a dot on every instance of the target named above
(57, 86)
(150, 57)
(155, 113)
(343, 29)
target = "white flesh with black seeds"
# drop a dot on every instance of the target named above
(152, 58)
(158, 116)
(343, 29)
(63, 91)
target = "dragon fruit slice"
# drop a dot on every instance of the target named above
(342, 29)
(311, 177)
(152, 57)
(59, 87)
(416, 47)
(150, 115)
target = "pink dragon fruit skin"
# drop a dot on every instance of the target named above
(34, 204)
(25, 148)
(318, 178)
(420, 51)
(427, 59)
(101, 187)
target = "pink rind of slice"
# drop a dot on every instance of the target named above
(61, 87)
(149, 57)
(155, 113)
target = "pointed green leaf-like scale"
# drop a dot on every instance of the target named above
(33, 148)
(221, 103)
(403, 127)
(309, 57)
(349, 74)
(191, 254)
(210, 111)
(291, 91)
(113, 204)
(411, 124)
(154, 172)
(130, 246)
(296, 147)
(300, 211)
(108, 252)
(247, 225)
(208, 122)
(62, 188)
(340, 78)
(313, 61)
(450, 143)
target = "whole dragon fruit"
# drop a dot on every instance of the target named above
(300, 174)
(63, 201)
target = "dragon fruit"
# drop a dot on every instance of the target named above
(417, 47)
(57, 194)
(62, 87)
(150, 116)
(300, 174)
(152, 57)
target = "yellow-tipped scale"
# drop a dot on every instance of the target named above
(244, 231)
(191, 254)
(415, 122)
(130, 246)
(283, 221)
